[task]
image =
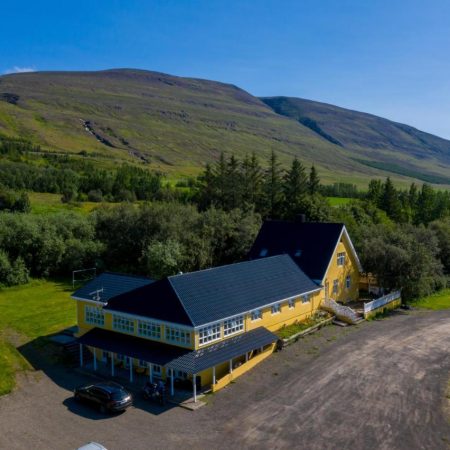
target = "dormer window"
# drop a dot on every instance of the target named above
(263, 252)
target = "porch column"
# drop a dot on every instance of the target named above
(112, 363)
(81, 355)
(95, 359)
(150, 372)
(130, 361)
(171, 382)
(231, 366)
(194, 385)
(214, 374)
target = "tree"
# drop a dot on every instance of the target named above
(375, 192)
(389, 200)
(252, 180)
(163, 258)
(425, 205)
(441, 229)
(273, 188)
(314, 181)
(295, 187)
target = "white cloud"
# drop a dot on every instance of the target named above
(17, 69)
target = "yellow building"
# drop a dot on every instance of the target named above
(205, 328)
(324, 252)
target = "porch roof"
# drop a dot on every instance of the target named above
(191, 361)
(135, 347)
(198, 360)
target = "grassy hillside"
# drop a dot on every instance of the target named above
(371, 140)
(175, 124)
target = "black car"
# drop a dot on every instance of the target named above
(107, 396)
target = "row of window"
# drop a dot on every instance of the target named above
(96, 316)
(341, 259)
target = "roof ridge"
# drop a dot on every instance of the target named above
(230, 264)
(181, 302)
(130, 275)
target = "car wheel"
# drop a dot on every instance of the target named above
(103, 409)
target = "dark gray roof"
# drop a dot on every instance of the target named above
(210, 295)
(196, 361)
(112, 284)
(310, 244)
(214, 294)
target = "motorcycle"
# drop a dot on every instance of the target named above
(155, 392)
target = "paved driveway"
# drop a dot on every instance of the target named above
(380, 385)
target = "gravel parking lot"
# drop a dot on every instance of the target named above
(380, 385)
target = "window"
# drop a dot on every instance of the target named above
(121, 323)
(306, 298)
(335, 286)
(180, 374)
(298, 253)
(143, 363)
(94, 315)
(276, 308)
(348, 281)
(178, 335)
(232, 326)
(263, 252)
(291, 303)
(209, 334)
(256, 314)
(120, 357)
(149, 329)
(341, 259)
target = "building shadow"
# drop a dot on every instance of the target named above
(50, 358)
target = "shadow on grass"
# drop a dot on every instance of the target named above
(50, 358)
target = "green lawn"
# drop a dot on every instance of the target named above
(30, 311)
(338, 201)
(439, 300)
(43, 203)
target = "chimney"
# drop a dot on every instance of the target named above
(300, 218)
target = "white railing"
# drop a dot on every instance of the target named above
(379, 302)
(340, 311)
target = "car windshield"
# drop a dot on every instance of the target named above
(119, 395)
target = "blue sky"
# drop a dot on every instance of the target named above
(389, 58)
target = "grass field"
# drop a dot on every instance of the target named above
(439, 300)
(42, 203)
(27, 312)
(339, 201)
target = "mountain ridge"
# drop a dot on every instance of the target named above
(177, 124)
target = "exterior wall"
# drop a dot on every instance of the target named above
(245, 367)
(84, 327)
(273, 322)
(335, 272)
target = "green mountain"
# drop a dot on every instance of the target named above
(372, 140)
(178, 124)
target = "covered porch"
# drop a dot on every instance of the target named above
(140, 359)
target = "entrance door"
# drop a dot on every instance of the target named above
(327, 289)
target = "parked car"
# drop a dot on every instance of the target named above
(92, 446)
(107, 396)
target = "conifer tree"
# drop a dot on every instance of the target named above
(390, 200)
(314, 181)
(252, 177)
(295, 186)
(273, 188)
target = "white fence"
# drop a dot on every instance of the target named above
(379, 302)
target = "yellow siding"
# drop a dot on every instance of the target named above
(340, 273)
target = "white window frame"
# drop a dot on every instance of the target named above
(276, 309)
(210, 333)
(348, 281)
(123, 324)
(93, 315)
(177, 335)
(256, 315)
(233, 326)
(306, 298)
(149, 329)
(341, 259)
(335, 286)
(291, 303)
